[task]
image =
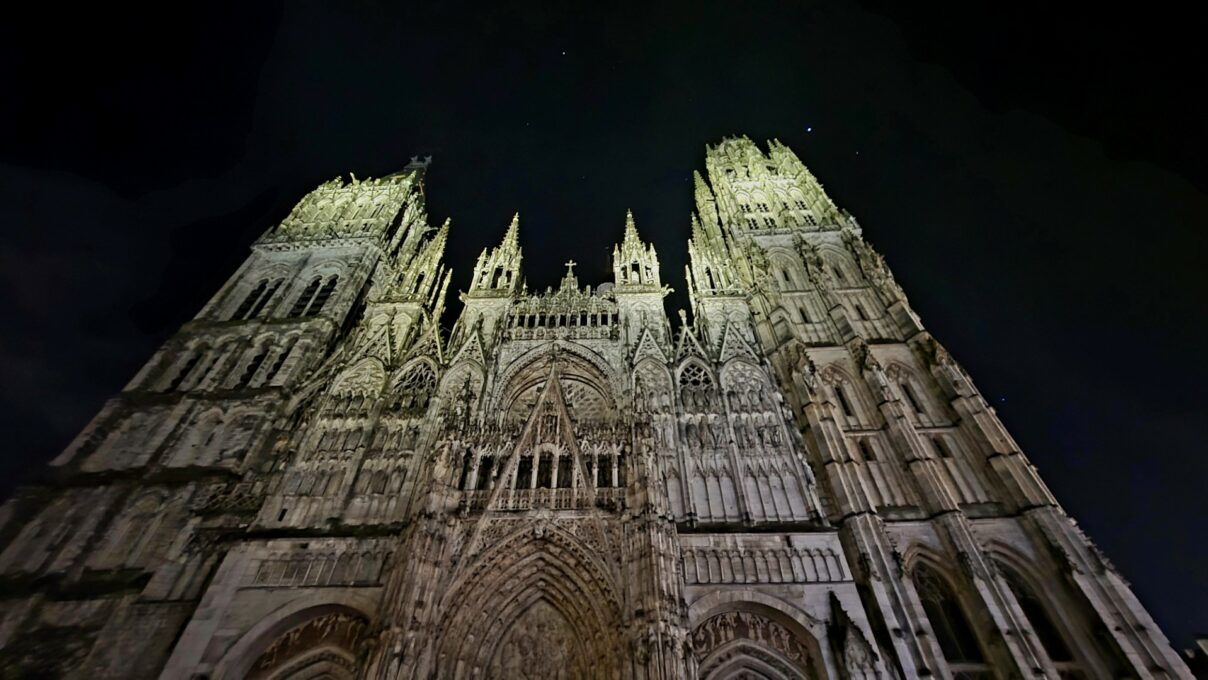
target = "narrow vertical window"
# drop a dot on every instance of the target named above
(466, 461)
(282, 355)
(320, 300)
(908, 392)
(941, 447)
(524, 472)
(1036, 614)
(303, 301)
(844, 404)
(566, 474)
(264, 299)
(545, 471)
(948, 621)
(866, 451)
(185, 370)
(604, 473)
(248, 302)
(253, 366)
(484, 473)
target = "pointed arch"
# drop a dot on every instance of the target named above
(840, 263)
(363, 379)
(413, 387)
(946, 611)
(587, 384)
(295, 636)
(1045, 605)
(736, 632)
(538, 578)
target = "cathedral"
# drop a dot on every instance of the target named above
(314, 478)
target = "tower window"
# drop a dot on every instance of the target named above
(841, 394)
(267, 297)
(252, 298)
(908, 392)
(250, 372)
(282, 355)
(947, 619)
(303, 301)
(941, 447)
(185, 370)
(866, 451)
(313, 298)
(325, 292)
(1036, 614)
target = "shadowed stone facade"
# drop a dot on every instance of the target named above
(313, 479)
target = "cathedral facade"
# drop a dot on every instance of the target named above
(314, 479)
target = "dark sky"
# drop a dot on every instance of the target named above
(1035, 179)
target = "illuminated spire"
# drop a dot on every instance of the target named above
(634, 263)
(498, 269)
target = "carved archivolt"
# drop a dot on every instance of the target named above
(541, 584)
(323, 647)
(741, 644)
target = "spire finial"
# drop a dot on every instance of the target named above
(513, 232)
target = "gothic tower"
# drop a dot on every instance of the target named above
(313, 479)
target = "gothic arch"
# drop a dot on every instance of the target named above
(738, 633)
(837, 259)
(651, 384)
(245, 659)
(365, 378)
(588, 388)
(785, 260)
(538, 581)
(1053, 595)
(571, 356)
(973, 653)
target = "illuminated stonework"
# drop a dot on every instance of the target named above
(313, 479)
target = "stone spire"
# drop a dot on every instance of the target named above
(498, 270)
(635, 263)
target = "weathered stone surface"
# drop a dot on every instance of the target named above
(313, 479)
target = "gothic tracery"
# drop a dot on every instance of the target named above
(314, 479)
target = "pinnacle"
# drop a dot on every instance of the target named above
(513, 233)
(631, 228)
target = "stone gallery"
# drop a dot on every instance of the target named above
(314, 479)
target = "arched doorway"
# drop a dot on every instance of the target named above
(749, 640)
(538, 605)
(305, 640)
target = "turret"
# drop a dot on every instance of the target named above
(638, 287)
(634, 263)
(497, 271)
(496, 281)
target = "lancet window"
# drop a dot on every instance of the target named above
(314, 297)
(1042, 624)
(951, 627)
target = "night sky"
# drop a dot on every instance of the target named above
(1036, 181)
